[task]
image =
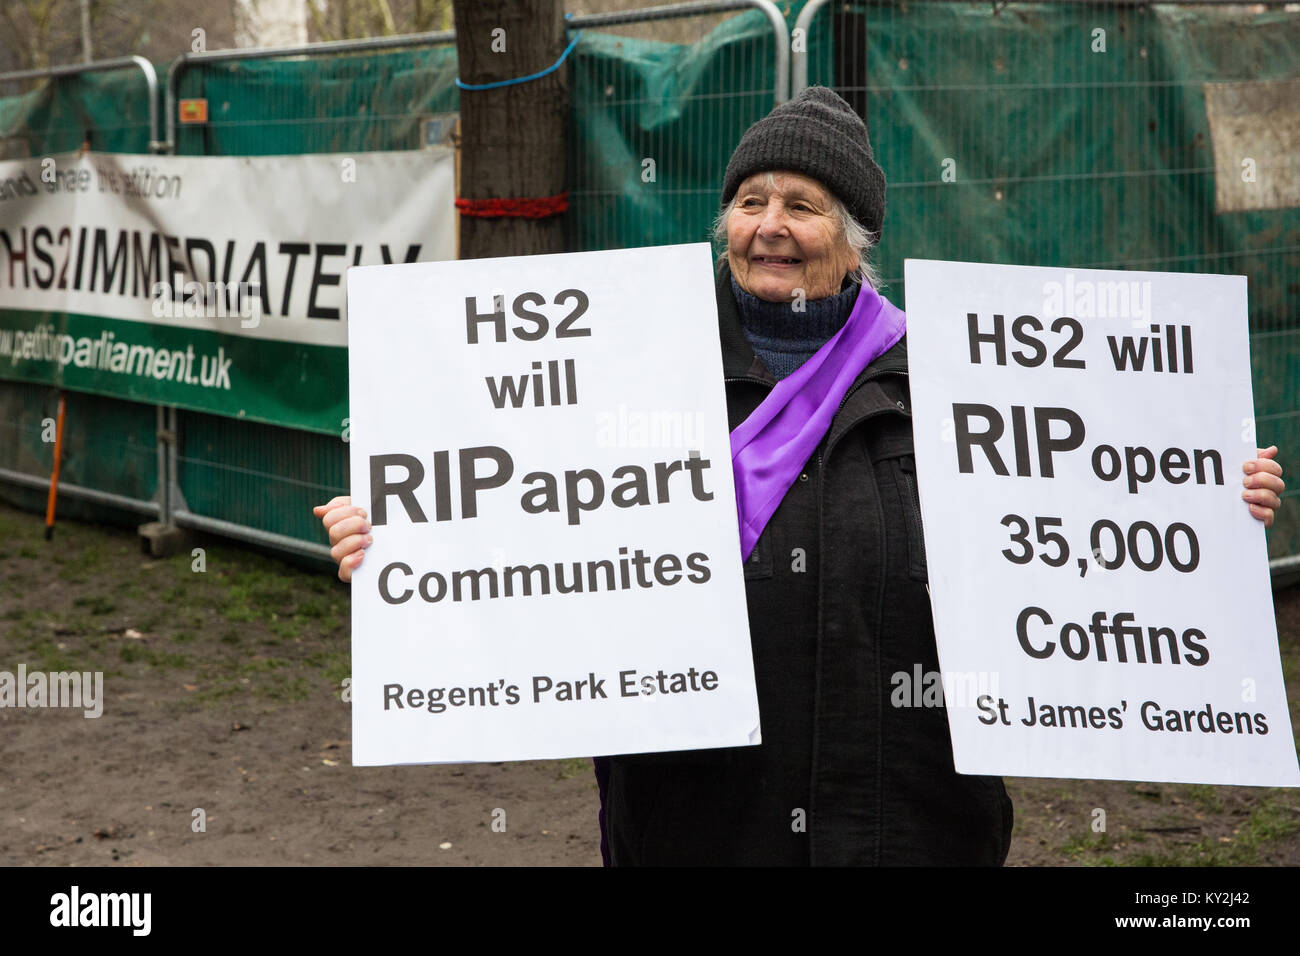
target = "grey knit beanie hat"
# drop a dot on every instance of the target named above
(817, 134)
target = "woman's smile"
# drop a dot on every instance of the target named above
(784, 241)
(775, 262)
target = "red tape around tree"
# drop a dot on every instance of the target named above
(519, 208)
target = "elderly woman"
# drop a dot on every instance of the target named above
(835, 568)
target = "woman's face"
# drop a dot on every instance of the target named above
(783, 236)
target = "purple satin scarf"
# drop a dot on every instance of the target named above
(771, 446)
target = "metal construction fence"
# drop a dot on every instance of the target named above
(1064, 134)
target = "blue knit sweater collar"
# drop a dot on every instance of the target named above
(784, 338)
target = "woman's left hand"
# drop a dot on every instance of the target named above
(1264, 485)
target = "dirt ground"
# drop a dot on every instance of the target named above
(225, 740)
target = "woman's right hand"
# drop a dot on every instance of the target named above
(349, 531)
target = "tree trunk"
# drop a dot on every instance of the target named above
(512, 137)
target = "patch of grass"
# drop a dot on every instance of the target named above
(264, 588)
(333, 665)
(95, 604)
(34, 617)
(92, 557)
(287, 627)
(240, 611)
(49, 657)
(151, 622)
(71, 623)
(313, 607)
(1205, 797)
(258, 665)
(292, 689)
(1273, 818)
(320, 583)
(183, 637)
(571, 767)
(215, 694)
(139, 653)
(1276, 816)
(1079, 845)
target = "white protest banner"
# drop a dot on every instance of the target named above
(207, 282)
(1100, 590)
(541, 445)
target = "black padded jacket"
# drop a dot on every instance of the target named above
(838, 605)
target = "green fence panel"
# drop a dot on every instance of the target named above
(258, 475)
(653, 125)
(1065, 155)
(110, 110)
(353, 102)
(108, 445)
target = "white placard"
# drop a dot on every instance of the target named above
(1111, 411)
(568, 417)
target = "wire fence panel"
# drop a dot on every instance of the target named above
(254, 476)
(683, 106)
(1081, 135)
(344, 103)
(110, 111)
(259, 476)
(654, 123)
(109, 446)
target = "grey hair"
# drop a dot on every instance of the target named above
(857, 236)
